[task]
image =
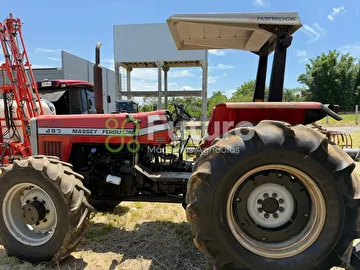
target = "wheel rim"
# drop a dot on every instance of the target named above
(29, 214)
(276, 211)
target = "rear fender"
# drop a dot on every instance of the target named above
(227, 116)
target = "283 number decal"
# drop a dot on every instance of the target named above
(53, 131)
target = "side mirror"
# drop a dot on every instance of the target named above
(108, 99)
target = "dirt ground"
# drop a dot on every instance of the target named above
(136, 236)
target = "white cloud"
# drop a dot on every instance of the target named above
(304, 60)
(213, 79)
(353, 50)
(152, 73)
(53, 58)
(220, 66)
(186, 87)
(146, 85)
(224, 74)
(314, 32)
(260, 3)
(217, 52)
(303, 56)
(47, 50)
(172, 84)
(301, 53)
(336, 11)
(41, 66)
(229, 93)
(180, 74)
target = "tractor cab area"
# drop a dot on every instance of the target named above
(68, 96)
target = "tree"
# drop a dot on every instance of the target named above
(216, 98)
(294, 94)
(245, 92)
(332, 78)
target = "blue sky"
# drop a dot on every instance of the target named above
(76, 26)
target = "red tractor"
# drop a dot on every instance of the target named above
(266, 191)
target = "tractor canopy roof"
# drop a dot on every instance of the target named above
(241, 31)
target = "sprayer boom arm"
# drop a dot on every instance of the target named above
(21, 100)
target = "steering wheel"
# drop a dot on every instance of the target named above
(181, 113)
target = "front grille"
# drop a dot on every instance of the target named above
(51, 148)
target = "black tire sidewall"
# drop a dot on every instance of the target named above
(50, 248)
(325, 181)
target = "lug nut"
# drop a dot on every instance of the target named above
(43, 202)
(281, 209)
(266, 195)
(259, 201)
(275, 215)
(274, 195)
(266, 215)
(35, 198)
(260, 210)
(37, 223)
(44, 220)
(281, 201)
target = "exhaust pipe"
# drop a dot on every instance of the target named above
(352, 152)
(98, 83)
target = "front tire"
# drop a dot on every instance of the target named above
(282, 198)
(44, 210)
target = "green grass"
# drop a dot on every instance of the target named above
(348, 120)
(356, 139)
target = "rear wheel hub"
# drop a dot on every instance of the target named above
(270, 205)
(33, 212)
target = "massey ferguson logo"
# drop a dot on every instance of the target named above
(270, 19)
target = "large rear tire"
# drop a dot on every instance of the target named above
(44, 210)
(279, 197)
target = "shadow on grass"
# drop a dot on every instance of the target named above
(149, 245)
(166, 244)
(10, 262)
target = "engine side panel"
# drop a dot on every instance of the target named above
(56, 134)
